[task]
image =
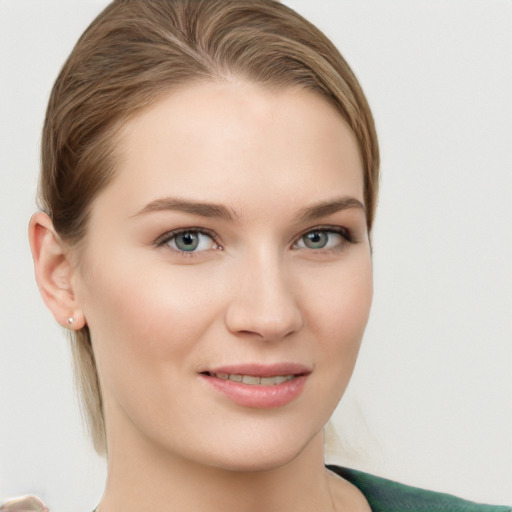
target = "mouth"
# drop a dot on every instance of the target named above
(251, 380)
(258, 386)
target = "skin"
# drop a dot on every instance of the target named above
(252, 292)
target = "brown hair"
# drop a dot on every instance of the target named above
(137, 50)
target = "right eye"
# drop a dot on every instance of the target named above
(189, 241)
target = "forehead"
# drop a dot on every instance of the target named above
(221, 140)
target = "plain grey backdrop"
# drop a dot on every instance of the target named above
(430, 403)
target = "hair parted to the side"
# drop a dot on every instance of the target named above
(133, 53)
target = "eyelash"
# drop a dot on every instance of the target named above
(166, 238)
(346, 234)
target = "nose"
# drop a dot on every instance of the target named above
(264, 302)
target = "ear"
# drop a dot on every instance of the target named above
(54, 272)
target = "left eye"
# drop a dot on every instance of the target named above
(191, 241)
(320, 239)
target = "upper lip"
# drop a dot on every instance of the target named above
(261, 370)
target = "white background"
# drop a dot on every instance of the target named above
(431, 399)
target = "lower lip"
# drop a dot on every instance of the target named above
(258, 396)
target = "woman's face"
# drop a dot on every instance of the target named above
(226, 275)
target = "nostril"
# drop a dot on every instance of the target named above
(250, 333)
(265, 311)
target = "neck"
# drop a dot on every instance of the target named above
(146, 478)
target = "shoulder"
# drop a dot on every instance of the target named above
(385, 495)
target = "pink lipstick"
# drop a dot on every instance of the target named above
(259, 386)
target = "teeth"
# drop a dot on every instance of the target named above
(282, 378)
(255, 381)
(249, 379)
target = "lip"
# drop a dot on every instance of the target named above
(259, 396)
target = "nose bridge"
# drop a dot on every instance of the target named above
(264, 301)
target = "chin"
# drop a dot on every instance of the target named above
(256, 463)
(264, 455)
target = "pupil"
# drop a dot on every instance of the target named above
(187, 241)
(316, 240)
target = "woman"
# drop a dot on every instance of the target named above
(209, 186)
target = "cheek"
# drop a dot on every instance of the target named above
(341, 310)
(338, 309)
(144, 320)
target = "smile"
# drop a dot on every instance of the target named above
(258, 386)
(254, 380)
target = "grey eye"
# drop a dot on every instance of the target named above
(187, 241)
(316, 239)
(321, 239)
(191, 241)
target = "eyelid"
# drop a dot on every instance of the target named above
(346, 233)
(163, 239)
(167, 236)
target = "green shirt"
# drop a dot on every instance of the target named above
(387, 496)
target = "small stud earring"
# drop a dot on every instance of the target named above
(71, 320)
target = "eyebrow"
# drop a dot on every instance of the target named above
(189, 206)
(329, 207)
(213, 210)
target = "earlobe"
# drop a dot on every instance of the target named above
(54, 272)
